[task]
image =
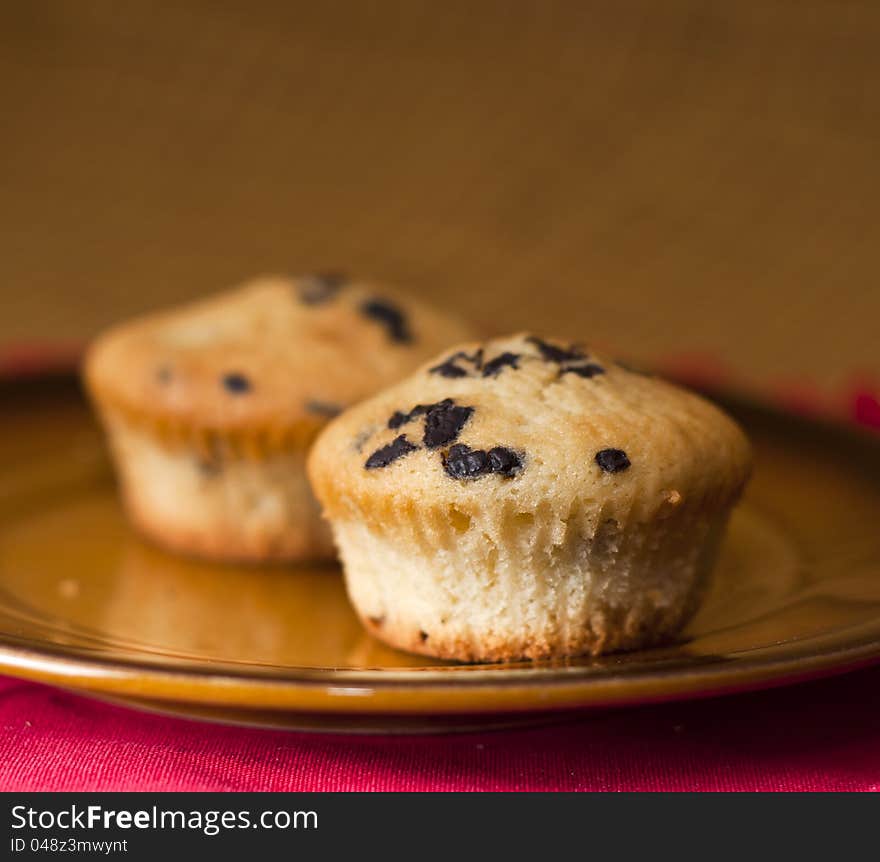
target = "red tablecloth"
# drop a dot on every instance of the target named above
(822, 735)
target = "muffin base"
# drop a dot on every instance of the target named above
(218, 504)
(470, 598)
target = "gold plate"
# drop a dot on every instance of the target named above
(86, 604)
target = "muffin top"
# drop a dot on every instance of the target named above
(272, 355)
(521, 422)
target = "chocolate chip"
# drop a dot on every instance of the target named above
(504, 360)
(450, 368)
(377, 621)
(612, 460)
(236, 383)
(588, 370)
(397, 448)
(552, 353)
(504, 461)
(323, 408)
(320, 287)
(398, 418)
(423, 636)
(443, 423)
(164, 374)
(462, 462)
(475, 358)
(389, 316)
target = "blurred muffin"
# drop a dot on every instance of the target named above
(526, 499)
(210, 408)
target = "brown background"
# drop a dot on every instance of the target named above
(661, 176)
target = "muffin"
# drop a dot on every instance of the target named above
(527, 499)
(210, 408)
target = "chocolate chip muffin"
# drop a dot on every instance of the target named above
(527, 499)
(210, 408)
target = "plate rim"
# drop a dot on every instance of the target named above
(451, 689)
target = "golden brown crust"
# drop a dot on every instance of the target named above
(682, 447)
(260, 366)
(610, 635)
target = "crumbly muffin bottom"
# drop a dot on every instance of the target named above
(220, 504)
(496, 592)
